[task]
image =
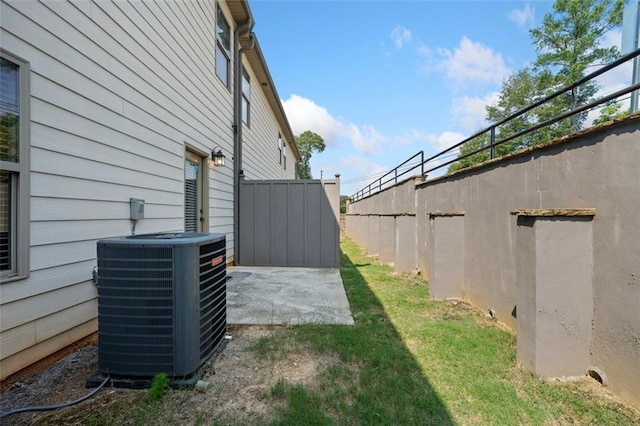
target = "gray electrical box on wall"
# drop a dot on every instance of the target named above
(137, 208)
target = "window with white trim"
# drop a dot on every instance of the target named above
(223, 47)
(246, 96)
(14, 166)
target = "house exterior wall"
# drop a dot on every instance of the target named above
(119, 92)
(261, 158)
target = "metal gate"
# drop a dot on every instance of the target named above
(289, 223)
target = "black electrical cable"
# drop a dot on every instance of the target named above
(55, 407)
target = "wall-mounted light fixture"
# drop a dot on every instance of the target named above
(217, 157)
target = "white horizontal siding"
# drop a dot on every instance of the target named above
(24, 336)
(51, 256)
(118, 90)
(53, 278)
(56, 163)
(107, 128)
(17, 339)
(45, 304)
(59, 209)
(35, 353)
(55, 186)
(43, 233)
(261, 157)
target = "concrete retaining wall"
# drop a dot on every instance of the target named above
(384, 225)
(548, 240)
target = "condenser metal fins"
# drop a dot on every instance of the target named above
(161, 303)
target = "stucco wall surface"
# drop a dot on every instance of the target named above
(597, 169)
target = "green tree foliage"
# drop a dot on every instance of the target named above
(474, 144)
(519, 91)
(568, 40)
(307, 143)
(343, 203)
(610, 111)
(567, 44)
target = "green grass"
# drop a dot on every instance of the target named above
(158, 387)
(408, 360)
(411, 360)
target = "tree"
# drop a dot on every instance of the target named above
(307, 143)
(469, 147)
(519, 91)
(611, 111)
(343, 203)
(567, 43)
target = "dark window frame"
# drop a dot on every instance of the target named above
(223, 48)
(17, 178)
(246, 97)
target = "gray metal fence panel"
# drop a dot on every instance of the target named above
(289, 223)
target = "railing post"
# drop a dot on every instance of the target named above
(396, 175)
(574, 119)
(636, 79)
(493, 142)
(421, 164)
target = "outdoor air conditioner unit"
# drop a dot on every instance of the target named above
(161, 303)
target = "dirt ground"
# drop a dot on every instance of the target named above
(239, 379)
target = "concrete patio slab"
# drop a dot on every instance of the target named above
(273, 295)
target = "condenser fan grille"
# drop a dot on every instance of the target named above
(213, 296)
(161, 303)
(135, 309)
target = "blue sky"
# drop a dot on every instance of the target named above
(382, 80)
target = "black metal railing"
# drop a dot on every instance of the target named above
(407, 167)
(391, 176)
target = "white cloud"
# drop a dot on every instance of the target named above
(424, 52)
(366, 139)
(411, 137)
(323, 169)
(304, 114)
(400, 35)
(441, 142)
(614, 79)
(436, 142)
(524, 18)
(444, 140)
(611, 38)
(620, 76)
(363, 166)
(472, 61)
(470, 112)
